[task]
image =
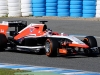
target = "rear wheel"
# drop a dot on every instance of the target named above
(91, 42)
(3, 42)
(51, 47)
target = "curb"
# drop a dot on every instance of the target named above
(42, 69)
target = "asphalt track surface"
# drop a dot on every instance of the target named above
(80, 27)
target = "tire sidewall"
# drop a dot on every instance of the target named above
(53, 47)
(49, 41)
(3, 41)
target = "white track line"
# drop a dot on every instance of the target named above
(75, 73)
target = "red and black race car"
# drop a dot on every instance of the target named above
(40, 39)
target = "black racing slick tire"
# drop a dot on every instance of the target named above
(51, 47)
(91, 42)
(3, 42)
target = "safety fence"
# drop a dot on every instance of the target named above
(60, 8)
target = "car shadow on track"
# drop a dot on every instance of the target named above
(78, 56)
(61, 56)
(23, 52)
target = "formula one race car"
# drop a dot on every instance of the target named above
(40, 39)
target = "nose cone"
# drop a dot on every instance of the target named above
(84, 46)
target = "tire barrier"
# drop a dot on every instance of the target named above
(14, 8)
(63, 8)
(89, 8)
(51, 7)
(39, 8)
(26, 7)
(76, 8)
(3, 8)
(98, 9)
(60, 8)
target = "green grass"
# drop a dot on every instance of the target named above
(10, 71)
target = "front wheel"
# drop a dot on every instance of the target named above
(92, 43)
(51, 47)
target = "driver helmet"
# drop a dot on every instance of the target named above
(49, 31)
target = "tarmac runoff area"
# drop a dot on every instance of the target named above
(40, 70)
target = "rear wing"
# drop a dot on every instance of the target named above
(17, 24)
(3, 27)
